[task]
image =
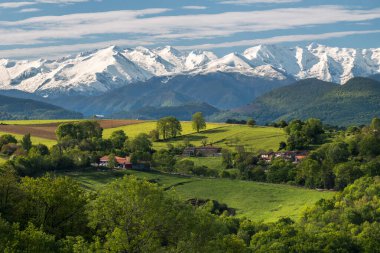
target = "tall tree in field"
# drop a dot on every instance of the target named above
(118, 139)
(251, 122)
(199, 122)
(26, 142)
(169, 127)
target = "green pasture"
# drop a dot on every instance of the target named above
(230, 136)
(210, 162)
(256, 201)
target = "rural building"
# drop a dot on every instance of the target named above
(123, 163)
(293, 156)
(206, 151)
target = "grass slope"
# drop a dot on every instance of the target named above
(257, 201)
(222, 135)
(210, 162)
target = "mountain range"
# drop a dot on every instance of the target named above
(95, 72)
(141, 81)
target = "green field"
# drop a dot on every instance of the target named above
(145, 127)
(35, 140)
(210, 162)
(257, 201)
(221, 135)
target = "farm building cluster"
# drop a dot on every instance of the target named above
(206, 151)
(292, 156)
(121, 162)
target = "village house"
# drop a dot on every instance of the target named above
(122, 163)
(206, 151)
(293, 156)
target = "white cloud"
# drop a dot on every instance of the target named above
(15, 4)
(246, 2)
(279, 39)
(136, 23)
(194, 7)
(9, 5)
(29, 10)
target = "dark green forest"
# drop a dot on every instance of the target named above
(22, 109)
(353, 103)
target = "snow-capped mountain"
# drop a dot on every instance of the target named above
(317, 61)
(103, 70)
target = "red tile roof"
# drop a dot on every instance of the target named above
(119, 160)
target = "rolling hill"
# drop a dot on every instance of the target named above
(355, 102)
(16, 108)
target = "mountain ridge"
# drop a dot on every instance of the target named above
(95, 72)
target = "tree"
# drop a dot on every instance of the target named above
(111, 161)
(199, 122)
(251, 122)
(227, 159)
(375, 125)
(346, 173)
(204, 141)
(9, 192)
(169, 127)
(154, 135)
(313, 130)
(26, 142)
(164, 160)
(132, 215)
(55, 204)
(6, 139)
(141, 143)
(118, 139)
(79, 130)
(280, 171)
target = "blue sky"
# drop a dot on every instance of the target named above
(53, 28)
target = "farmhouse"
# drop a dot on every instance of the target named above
(293, 156)
(206, 151)
(123, 163)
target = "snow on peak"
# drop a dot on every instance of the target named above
(97, 71)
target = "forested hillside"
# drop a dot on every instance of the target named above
(16, 108)
(355, 102)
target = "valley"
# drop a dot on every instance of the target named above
(252, 200)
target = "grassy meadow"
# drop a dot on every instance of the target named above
(210, 162)
(221, 135)
(256, 201)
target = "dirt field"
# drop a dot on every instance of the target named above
(47, 130)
